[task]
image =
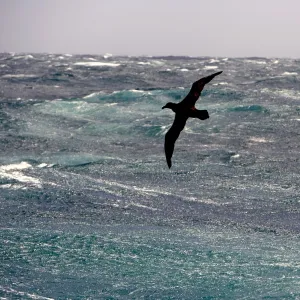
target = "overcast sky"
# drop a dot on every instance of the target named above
(152, 27)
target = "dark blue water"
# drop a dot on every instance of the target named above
(90, 209)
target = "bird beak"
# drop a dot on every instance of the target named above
(163, 107)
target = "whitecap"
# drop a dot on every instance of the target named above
(23, 294)
(96, 64)
(210, 67)
(110, 104)
(259, 62)
(213, 61)
(144, 63)
(14, 171)
(140, 206)
(158, 62)
(206, 201)
(184, 70)
(2, 66)
(137, 91)
(221, 83)
(44, 165)
(225, 59)
(23, 56)
(259, 140)
(19, 76)
(91, 95)
(21, 166)
(107, 55)
(68, 55)
(290, 74)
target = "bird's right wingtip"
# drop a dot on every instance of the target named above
(169, 162)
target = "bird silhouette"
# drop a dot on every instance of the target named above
(184, 110)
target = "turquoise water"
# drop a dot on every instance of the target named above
(113, 262)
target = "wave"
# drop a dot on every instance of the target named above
(224, 93)
(107, 55)
(96, 64)
(289, 74)
(116, 96)
(221, 83)
(286, 93)
(210, 67)
(15, 294)
(14, 172)
(144, 63)
(248, 108)
(26, 57)
(214, 61)
(259, 140)
(137, 94)
(77, 160)
(256, 60)
(20, 76)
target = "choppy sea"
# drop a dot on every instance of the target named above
(89, 208)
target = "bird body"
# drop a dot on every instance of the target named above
(184, 110)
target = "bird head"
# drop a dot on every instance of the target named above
(170, 105)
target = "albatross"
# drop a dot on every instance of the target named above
(184, 110)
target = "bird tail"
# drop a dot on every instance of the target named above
(199, 114)
(202, 114)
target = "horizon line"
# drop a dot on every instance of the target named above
(148, 55)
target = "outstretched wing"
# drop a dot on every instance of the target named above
(196, 90)
(172, 135)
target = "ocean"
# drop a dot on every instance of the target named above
(89, 207)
